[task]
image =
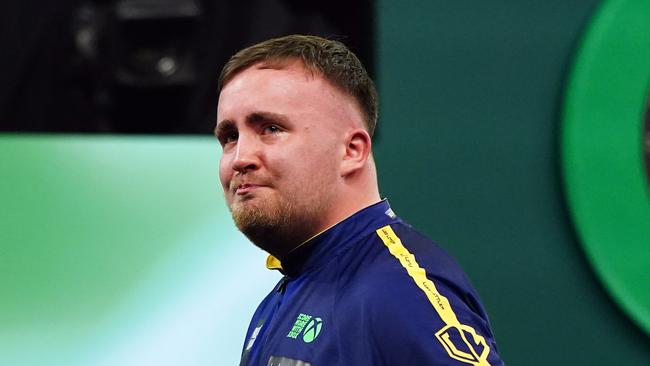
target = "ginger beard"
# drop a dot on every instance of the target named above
(276, 222)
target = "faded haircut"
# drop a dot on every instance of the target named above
(330, 58)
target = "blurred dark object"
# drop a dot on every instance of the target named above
(141, 53)
(144, 66)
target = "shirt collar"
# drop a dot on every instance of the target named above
(326, 245)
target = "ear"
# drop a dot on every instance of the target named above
(357, 150)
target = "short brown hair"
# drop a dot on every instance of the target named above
(330, 58)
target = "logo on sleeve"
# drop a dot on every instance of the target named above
(463, 344)
(256, 332)
(308, 325)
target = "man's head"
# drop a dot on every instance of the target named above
(331, 59)
(296, 144)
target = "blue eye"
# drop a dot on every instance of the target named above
(272, 129)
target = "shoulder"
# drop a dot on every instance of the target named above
(416, 299)
(398, 260)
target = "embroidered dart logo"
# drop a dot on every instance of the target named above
(309, 326)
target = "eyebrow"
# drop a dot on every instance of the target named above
(222, 126)
(253, 118)
(257, 117)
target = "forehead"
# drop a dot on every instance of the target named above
(287, 88)
(271, 76)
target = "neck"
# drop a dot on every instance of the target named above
(356, 193)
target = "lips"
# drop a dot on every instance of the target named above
(241, 188)
(246, 188)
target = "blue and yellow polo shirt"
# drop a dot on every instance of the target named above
(370, 291)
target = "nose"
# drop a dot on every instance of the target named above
(247, 154)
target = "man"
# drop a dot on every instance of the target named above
(360, 287)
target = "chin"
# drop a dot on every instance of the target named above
(251, 215)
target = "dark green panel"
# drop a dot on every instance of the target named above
(468, 153)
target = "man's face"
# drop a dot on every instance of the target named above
(283, 138)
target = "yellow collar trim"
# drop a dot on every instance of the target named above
(273, 263)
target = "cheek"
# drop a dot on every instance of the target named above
(225, 173)
(317, 169)
(305, 165)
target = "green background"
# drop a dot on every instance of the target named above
(604, 170)
(119, 250)
(472, 95)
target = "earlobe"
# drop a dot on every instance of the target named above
(357, 151)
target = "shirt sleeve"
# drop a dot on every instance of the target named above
(400, 317)
(430, 321)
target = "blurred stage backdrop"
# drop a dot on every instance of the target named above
(511, 132)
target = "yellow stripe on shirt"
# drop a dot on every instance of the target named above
(440, 304)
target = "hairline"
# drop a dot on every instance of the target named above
(281, 63)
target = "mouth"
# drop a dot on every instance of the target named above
(246, 188)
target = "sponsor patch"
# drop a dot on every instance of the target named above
(306, 325)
